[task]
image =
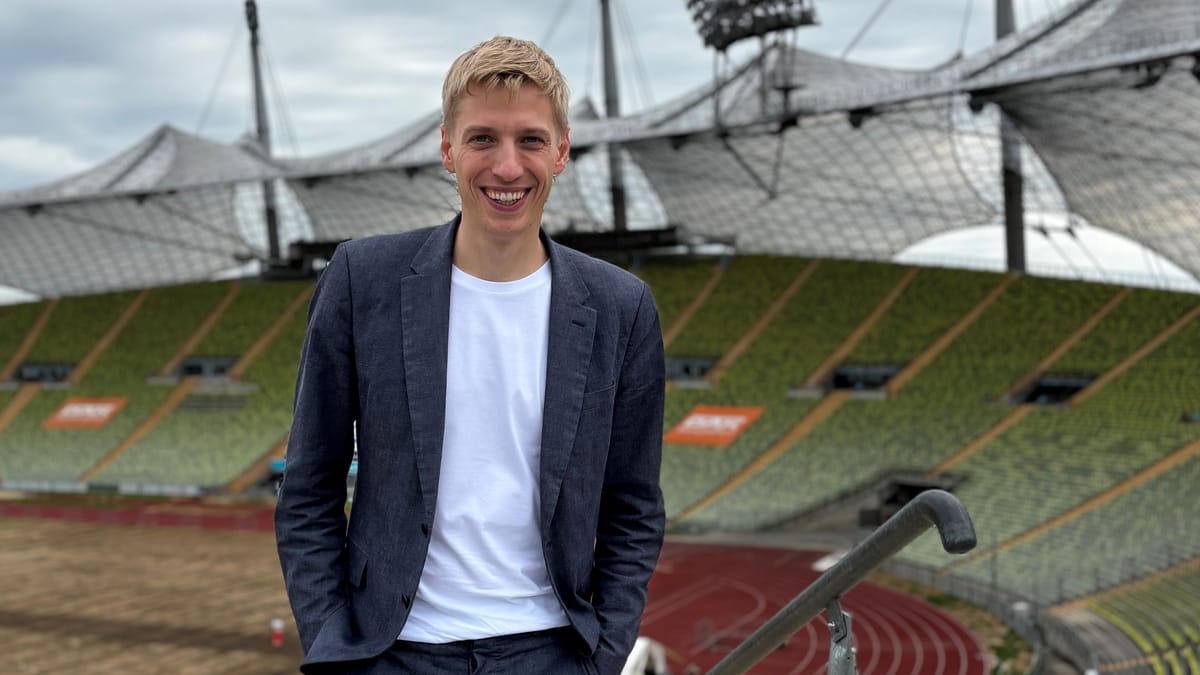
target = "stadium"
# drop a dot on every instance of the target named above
(826, 393)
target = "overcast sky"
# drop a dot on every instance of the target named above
(82, 80)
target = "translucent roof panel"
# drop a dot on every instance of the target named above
(820, 188)
(383, 201)
(376, 202)
(105, 244)
(1125, 148)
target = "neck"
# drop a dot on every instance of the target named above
(494, 258)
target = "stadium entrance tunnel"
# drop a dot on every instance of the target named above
(863, 377)
(862, 381)
(53, 373)
(1056, 389)
(894, 492)
(689, 371)
(207, 366)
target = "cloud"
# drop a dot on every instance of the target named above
(37, 160)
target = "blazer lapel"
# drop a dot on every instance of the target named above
(569, 351)
(425, 322)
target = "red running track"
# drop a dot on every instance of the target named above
(185, 512)
(704, 599)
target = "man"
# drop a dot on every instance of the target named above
(506, 395)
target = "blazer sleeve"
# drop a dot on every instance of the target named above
(630, 530)
(310, 517)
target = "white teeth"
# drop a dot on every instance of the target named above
(504, 197)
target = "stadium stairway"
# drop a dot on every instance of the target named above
(1113, 648)
(1061, 350)
(748, 286)
(1024, 480)
(914, 367)
(25, 392)
(29, 339)
(901, 298)
(1144, 476)
(76, 331)
(677, 322)
(822, 372)
(1131, 360)
(88, 361)
(172, 364)
(118, 466)
(169, 369)
(815, 416)
(17, 403)
(259, 470)
(1160, 613)
(747, 339)
(1148, 473)
(169, 404)
(1021, 411)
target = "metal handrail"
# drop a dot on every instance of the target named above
(932, 507)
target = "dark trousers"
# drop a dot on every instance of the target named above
(551, 651)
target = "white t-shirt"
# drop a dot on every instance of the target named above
(485, 574)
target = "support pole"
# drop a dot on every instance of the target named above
(264, 135)
(842, 654)
(1010, 162)
(612, 108)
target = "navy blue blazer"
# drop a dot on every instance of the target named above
(375, 354)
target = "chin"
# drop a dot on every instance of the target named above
(510, 229)
(514, 224)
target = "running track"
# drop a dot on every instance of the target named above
(704, 599)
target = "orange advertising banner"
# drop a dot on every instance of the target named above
(712, 425)
(85, 413)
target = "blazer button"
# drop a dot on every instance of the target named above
(425, 529)
(406, 599)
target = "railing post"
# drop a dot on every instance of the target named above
(841, 649)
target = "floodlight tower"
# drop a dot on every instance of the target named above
(264, 136)
(722, 23)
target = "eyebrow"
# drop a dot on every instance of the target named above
(481, 129)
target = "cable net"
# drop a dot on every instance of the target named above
(793, 153)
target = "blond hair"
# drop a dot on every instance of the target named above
(508, 63)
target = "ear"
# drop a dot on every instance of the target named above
(447, 156)
(564, 152)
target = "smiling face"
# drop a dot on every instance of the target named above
(504, 149)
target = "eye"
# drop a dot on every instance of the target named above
(533, 140)
(479, 138)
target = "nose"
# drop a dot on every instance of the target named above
(508, 165)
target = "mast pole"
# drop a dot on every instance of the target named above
(264, 135)
(612, 108)
(1010, 161)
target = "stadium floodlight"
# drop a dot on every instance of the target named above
(724, 22)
